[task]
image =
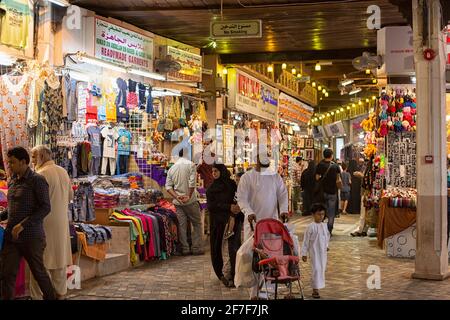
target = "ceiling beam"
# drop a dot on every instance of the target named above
(307, 55)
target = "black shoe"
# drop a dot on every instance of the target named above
(356, 234)
(224, 281)
(364, 234)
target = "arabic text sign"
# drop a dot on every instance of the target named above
(256, 97)
(191, 65)
(236, 29)
(121, 46)
(294, 110)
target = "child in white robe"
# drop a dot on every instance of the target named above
(315, 244)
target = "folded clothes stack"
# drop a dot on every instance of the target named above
(95, 234)
(106, 199)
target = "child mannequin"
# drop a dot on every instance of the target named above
(315, 244)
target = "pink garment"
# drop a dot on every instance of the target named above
(20, 280)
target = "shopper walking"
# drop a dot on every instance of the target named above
(326, 176)
(261, 195)
(180, 184)
(315, 245)
(362, 227)
(296, 183)
(221, 205)
(58, 253)
(308, 182)
(28, 205)
(345, 191)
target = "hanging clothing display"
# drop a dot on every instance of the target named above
(52, 112)
(14, 91)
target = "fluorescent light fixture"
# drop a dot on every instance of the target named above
(151, 75)
(61, 3)
(162, 92)
(347, 82)
(100, 63)
(79, 76)
(355, 91)
(6, 60)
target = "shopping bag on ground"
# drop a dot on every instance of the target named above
(244, 276)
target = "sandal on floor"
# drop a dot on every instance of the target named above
(316, 295)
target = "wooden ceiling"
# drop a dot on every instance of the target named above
(293, 31)
(287, 25)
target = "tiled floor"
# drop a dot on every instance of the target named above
(192, 277)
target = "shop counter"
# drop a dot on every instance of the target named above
(393, 221)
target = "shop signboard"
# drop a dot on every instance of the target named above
(252, 96)
(335, 129)
(294, 110)
(191, 65)
(122, 46)
(236, 29)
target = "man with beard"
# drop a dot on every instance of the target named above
(261, 195)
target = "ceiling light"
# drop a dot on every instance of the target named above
(342, 109)
(347, 82)
(332, 113)
(328, 115)
(299, 75)
(6, 59)
(324, 91)
(321, 98)
(294, 71)
(367, 100)
(284, 66)
(270, 68)
(146, 74)
(317, 67)
(355, 91)
(313, 84)
(368, 71)
(337, 111)
(374, 81)
(319, 87)
(414, 80)
(353, 105)
(326, 94)
(62, 3)
(100, 63)
(225, 71)
(360, 103)
(348, 107)
(374, 98)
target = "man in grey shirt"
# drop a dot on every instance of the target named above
(180, 184)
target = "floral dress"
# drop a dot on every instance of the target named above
(14, 92)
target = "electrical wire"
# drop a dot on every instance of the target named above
(296, 4)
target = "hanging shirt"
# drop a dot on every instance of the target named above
(94, 133)
(111, 112)
(124, 142)
(109, 145)
(259, 193)
(15, 22)
(315, 245)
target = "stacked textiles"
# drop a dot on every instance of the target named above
(106, 199)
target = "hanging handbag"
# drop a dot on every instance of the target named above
(339, 181)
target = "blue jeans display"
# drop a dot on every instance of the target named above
(83, 203)
(330, 202)
(95, 165)
(122, 164)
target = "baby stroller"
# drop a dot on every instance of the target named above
(273, 257)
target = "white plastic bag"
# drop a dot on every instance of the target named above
(294, 237)
(244, 276)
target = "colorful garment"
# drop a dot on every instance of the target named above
(52, 113)
(15, 22)
(14, 92)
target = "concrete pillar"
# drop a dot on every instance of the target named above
(432, 253)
